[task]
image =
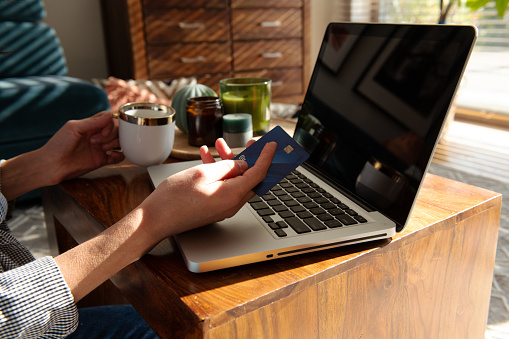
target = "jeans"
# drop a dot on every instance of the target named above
(107, 322)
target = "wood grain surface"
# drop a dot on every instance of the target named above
(433, 280)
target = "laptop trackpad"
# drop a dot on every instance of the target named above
(240, 235)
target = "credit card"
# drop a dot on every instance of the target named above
(289, 155)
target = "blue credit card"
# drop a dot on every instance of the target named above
(289, 155)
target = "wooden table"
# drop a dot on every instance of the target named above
(431, 281)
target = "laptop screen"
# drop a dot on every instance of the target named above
(378, 97)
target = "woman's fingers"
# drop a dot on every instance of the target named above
(250, 142)
(219, 171)
(205, 155)
(258, 171)
(223, 149)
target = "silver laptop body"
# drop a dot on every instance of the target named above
(371, 119)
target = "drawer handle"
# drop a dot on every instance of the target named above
(192, 60)
(271, 24)
(277, 84)
(274, 55)
(191, 25)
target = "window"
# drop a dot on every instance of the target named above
(485, 87)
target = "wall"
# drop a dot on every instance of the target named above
(79, 26)
(323, 12)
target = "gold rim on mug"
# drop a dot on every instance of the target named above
(166, 116)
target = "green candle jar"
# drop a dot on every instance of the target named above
(248, 95)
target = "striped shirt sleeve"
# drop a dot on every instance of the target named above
(3, 207)
(35, 301)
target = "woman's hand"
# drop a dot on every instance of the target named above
(186, 200)
(222, 148)
(206, 193)
(81, 146)
(78, 147)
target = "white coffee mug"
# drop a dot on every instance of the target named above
(146, 132)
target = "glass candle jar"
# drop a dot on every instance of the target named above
(204, 120)
(248, 95)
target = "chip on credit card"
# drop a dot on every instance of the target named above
(289, 155)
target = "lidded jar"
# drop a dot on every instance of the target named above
(237, 129)
(204, 120)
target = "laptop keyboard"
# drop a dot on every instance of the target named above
(299, 203)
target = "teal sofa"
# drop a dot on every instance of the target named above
(36, 95)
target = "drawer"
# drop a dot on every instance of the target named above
(261, 54)
(248, 24)
(266, 3)
(186, 25)
(188, 59)
(185, 4)
(285, 82)
(212, 80)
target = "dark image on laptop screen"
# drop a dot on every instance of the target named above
(376, 103)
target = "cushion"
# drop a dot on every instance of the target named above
(121, 92)
(30, 49)
(21, 10)
(34, 108)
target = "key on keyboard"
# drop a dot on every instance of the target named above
(304, 206)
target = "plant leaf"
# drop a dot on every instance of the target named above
(502, 7)
(474, 5)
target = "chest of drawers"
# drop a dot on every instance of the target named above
(211, 40)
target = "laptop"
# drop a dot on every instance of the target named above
(372, 116)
